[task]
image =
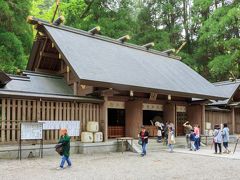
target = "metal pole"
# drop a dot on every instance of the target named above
(20, 143)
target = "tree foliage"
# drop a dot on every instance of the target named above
(15, 35)
(210, 28)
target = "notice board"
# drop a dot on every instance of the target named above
(31, 131)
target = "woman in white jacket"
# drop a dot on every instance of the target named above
(217, 138)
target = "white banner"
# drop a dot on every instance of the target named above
(73, 127)
(31, 131)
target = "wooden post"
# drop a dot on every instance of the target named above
(56, 118)
(203, 120)
(75, 88)
(3, 120)
(13, 120)
(104, 118)
(233, 120)
(8, 119)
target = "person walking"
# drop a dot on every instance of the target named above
(159, 131)
(65, 141)
(143, 135)
(166, 127)
(217, 138)
(197, 136)
(187, 128)
(225, 134)
(171, 139)
(192, 140)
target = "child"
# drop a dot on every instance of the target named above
(192, 140)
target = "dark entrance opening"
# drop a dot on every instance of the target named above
(116, 123)
(153, 116)
(149, 118)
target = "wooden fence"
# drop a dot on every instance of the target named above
(15, 111)
(219, 117)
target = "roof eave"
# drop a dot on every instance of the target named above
(24, 95)
(149, 90)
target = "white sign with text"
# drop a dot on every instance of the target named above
(73, 127)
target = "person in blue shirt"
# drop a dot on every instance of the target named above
(192, 140)
(225, 134)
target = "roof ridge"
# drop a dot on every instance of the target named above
(42, 74)
(222, 83)
(104, 38)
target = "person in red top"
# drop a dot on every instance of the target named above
(144, 137)
(197, 136)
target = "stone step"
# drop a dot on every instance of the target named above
(134, 147)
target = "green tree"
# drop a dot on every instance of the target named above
(15, 35)
(219, 41)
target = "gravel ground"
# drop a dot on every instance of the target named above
(114, 166)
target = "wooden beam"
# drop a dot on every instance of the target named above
(233, 120)
(153, 96)
(41, 53)
(46, 71)
(50, 55)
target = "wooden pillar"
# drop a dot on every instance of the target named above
(134, 118)
(3, 120)
(196, 115)
(233, 120)
(169, 113)
(203, 120)
(75, 88)
(104, 118)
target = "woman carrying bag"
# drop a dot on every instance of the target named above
(143, 140)
(171, 139)
(65, 145)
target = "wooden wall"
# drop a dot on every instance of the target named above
(134, 118)
(237, 120)
(15, 111)
(219, 117)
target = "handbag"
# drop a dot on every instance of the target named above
(59, 149)
(140, 141)
(172, 139)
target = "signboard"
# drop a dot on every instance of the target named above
(31, 131)
(116, 105)
(73, 127)
(152, 107)
(208, 125)
(181, 109)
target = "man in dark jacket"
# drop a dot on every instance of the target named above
(65, 140)
(144, 137)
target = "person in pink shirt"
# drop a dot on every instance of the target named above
(197, 137)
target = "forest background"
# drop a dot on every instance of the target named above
(210, 28)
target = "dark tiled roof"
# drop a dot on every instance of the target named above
(40, 85)
(97, 60)
(228, 88)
